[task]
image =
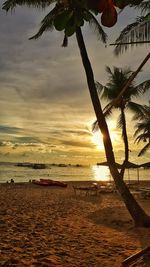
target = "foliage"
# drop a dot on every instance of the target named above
(137, 32)
(142, 132)
(67, 15)
(117, 78)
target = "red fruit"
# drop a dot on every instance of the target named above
(109, 17)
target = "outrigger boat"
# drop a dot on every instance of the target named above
(49, 182)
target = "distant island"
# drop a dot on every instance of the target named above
(44, 166)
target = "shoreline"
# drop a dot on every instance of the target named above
(82, 182)
(51, 226)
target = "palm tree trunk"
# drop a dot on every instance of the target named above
(137, 213)
(126, 145)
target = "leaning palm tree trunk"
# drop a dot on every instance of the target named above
(139, 216)
(126, 145)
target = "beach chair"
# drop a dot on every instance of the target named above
(143, 254)
(86, 190)
(145, 192)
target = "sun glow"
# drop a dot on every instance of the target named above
(97, 137)
(101, 173)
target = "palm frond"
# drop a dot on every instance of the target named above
(102, 90)
(93, 22)
(144, 6)
(65, 41)
(99, 87)
(143, 114)
(108, 70)
(117, 79)
(142, 132)
(143, 87)
(11, 4)
(142, 136)
(136, 109)
(120, 122)
(95, 126)
(108, 110)
(137, 132)
(47, 23)
(144, 149)
(106, 93)
(137, 31)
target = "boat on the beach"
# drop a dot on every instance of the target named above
(49, 182)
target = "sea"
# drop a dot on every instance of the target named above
(10, 171)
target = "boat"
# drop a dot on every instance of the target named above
(24, 164)
(32, 165)
(37, 182)
(39, 166)
(49, 182)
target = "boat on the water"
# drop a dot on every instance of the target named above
(39, 166)
(32, 165)
(49, 182)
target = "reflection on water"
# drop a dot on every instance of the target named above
(101, 173)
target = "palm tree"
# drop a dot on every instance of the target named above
(117, 79)
(69, 16)
(142, 132)
(137, 32)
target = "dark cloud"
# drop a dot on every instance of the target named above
(79, 144)
(9, 129)
(70, 132)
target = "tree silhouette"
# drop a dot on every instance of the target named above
(117, 78)
(136, 33)
(142, 132)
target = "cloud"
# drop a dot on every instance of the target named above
(80, 144)
(9, 129)
(5, 144)
(28, 140)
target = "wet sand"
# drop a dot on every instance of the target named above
(53, 227)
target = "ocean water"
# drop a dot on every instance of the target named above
(69, 173)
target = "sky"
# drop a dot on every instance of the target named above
(45, 108)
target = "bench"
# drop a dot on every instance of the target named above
(137, 256)
(87, 190)
(145, 192)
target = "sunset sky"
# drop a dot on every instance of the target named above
(45, 108)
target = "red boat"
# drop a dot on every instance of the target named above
(49, 182)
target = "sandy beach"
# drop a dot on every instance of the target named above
(53, 227)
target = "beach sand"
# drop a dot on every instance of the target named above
(53, 227)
